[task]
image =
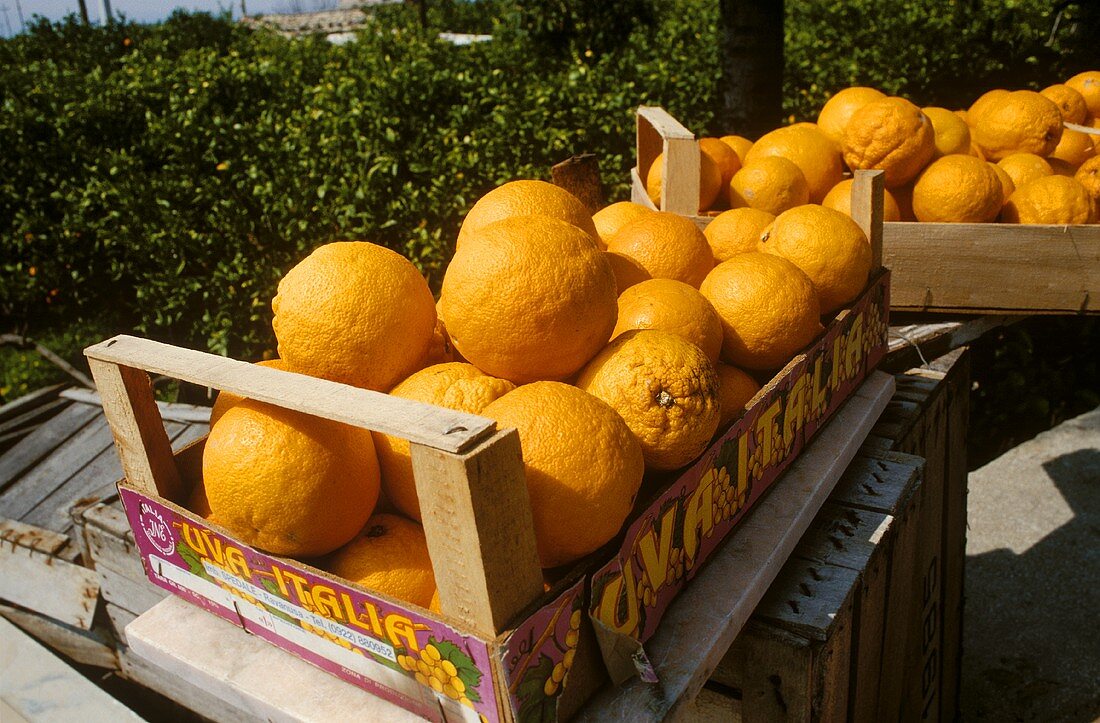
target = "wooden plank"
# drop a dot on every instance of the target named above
(119, 553)
(714, 706)
(481, 536)
(48, 585)
(34, 416)
(29, 402)
(946, 266)
(774, 670)
(913, 345)
(33, 538)
(436, 427)
(169, 411)
(40, 443)
(659, 132)
(844, 536)
(120, 618)
(701, 624)
(192, 696)
(88, 647)
(880, 483)
(119, 589)
(866, 205)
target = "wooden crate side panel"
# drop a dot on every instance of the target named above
(90, 647)
(774, 672)
(48, 585)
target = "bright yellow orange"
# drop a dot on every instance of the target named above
(736, 231)
(1071, 104)
(1050, 200)
(735, 390)
(829, 247)
(893, 135)
(287, 482)
(389, 555)
(667, 246)
(840, 199)
(584, 466)
(338, 312)
(840, 108)
(527, 198)
(1025, 167)
(740, 145)
(768, 307)
(724, 157)
(454, 385)
(610, 219)
(1008, 187)
(771, 183)
(957, 189)
(1022, 121)
(952, 135)
(664, 387)
(673, 307)
(225, 400)
(815, 154)
(1074, 148)
(979, 106)
(533, 299)
(710, 181)
(964, 116)
(1088, 85)
(1088, 175)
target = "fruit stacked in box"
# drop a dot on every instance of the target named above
(1012, 156)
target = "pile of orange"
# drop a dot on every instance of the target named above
(1013, 156)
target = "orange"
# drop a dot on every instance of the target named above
(627, 270)
(724, 157)
(829, 247)
(667, 246)
(534, 298)
(1074, 147)
(740, 145)
(710, 181)
(1061, 167)
(890, 134)
(1088, 85)
(1022, 121)
(526, 198)
(1071, 104)
(583, 464)
(664, 387)
(441, 350)
(197, 502)
(840, 199)
(768, 307)
(815, 154)
(287, 482)
(225, 400)
(1008, 187)
(1088, 175)
(771, 184)
(735, 390)
(904, 196)
(673, 307)
(340, 310)
(952, 135)
(983, 102)
(1024, 167)
(957, 189)
(1050, 200)
(964, 116)
(976, 151)
(736, 231)
(454, 385)
(838, 110)
(609, 219)
(389, 555)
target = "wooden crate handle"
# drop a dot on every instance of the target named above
(867, 198)
(659, 132)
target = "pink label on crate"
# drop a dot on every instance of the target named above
(683, 527)
(392, 651)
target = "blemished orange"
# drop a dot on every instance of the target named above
(1055, 200)
(710, 181)
(664, 387)
(527, 198)
(1070, 103)
(1074, 148)
(1023, 168)
(1008, 187)
(768, 306)
(441, 350)
(829, 247)
(838, 110)
(952, 135)
(583, 466)
(338, 312)
(287, 482)
(978, 107)
(673, 307)
(667, 246)
(534, 298)
(740, 145)
(840, 199)
(1088, 175)
(609, 219)
(771, 183)
(724, 157)
(1088, 85)
(455, 385)
(225, 400)
(1022, 121)
(735, 390)
(736, 231)
(390, 555)
(815, 154)
(892, 135)
(957, 189)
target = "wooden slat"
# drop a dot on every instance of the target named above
(773, 669)
(121, 590)
(29, 402)
(867, 200)
(425, 424)
(169, 411)
(659, 132)
(191, 695)
(35, 447)
(47, 584)
(33, 417)
(984, 267)
(31, 537)
(844, 536)
(120, 618)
